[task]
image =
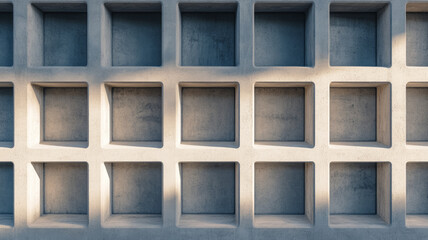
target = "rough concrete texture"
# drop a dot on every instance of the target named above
(353, 39)
(65, 114)
(417, 188)
(136, 39)
(6, 188)
(208, 39)
(65, 39)
(137, 114)
(208, 188)
(280, 188)
(416, 32)
(353, 114)
(136, 188)
(65, 188)
(280, 114)
(417, 114)
(279, 39)
(6, 114)
(208, 114)
(6, 39)
(353, 188)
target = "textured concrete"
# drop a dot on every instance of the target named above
(416, 114)
(208, 188)
(136, 188)
(6, 39)
(416, 32)
(208, 39)
(208, 114)
(6, 114)
(136, 39)
(6, 188)
(136, 114)
(417, 189)
(280, 114)
(65, 114)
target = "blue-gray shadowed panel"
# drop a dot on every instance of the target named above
(6, 39)
(417, 188)
(417, 114)
(6, 114)
(6, 188)
(416, 39)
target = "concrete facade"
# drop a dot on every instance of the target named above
(196, 162)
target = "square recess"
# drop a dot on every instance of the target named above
(58, 195)
(209, 195)
(6, 34)
(416, 194)
(360, 194)
(6, 195)
(62, 111)
(208, 34)
(360, 34)
(6, 115)
(417, 113)
(416, 34)
(59, 34)
(360, 114)
(132, 195)
(290, 27)
(133, 34)
(209, 114)
(284, 114)
(284, 195)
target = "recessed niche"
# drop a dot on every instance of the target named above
(208, 195)
(6, 194)
(416, 192)
(284, 195)
(136, 34)
(360, 194)
(290, 28)
(208, 34)
(134, 195)
(360, 34)
(360, 114)
(208, 114)
(284, 113)
(6, 116)
(6, 34)
(416, 114)
(59, 34)
(416, 34)
(58, 195)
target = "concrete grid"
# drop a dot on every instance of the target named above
(364, 174)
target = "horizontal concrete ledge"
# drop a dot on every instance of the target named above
(61, 7)
(207, 221)
(6, 221)
(282, 221)
(133, 221)
(134, 7)
(357, 221)
(416, 221)
(208, 7)
(61, 221)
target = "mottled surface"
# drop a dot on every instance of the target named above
(417, 114)
(6, 39)
(65, 114)
(208, 39)
(6, 188)
(280, 114)
(353, 114)
(136, 188)
(208, 188)
(65, 188)
(417, 188)
(136, 39)
(208, 114)
(416, 35)
(137, 114)
(6, 114)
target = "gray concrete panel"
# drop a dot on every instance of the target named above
(6, 188)
(6, 39)
(6, 114)
(416, 35)
(417, 114)
(417, 188)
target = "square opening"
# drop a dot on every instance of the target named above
(6, 115)
(284, 114)
(416, 192)
(209, 114)
(135, 114)
(360, 34)
(208, 34)
(6, 34)
(62, 111)
(417, 113)
(59, 34)
(6, 195)
(58, 195)
(132, 196)
(133, 34)
(290, 27)
(284, 195)
(416, 34)
(360, 194)
(209, 195)
(360, 114)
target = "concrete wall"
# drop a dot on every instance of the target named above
(6, 38)
(416, 31)
(417, 188)
(6, 114)
(416, 114)
(6, 188)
